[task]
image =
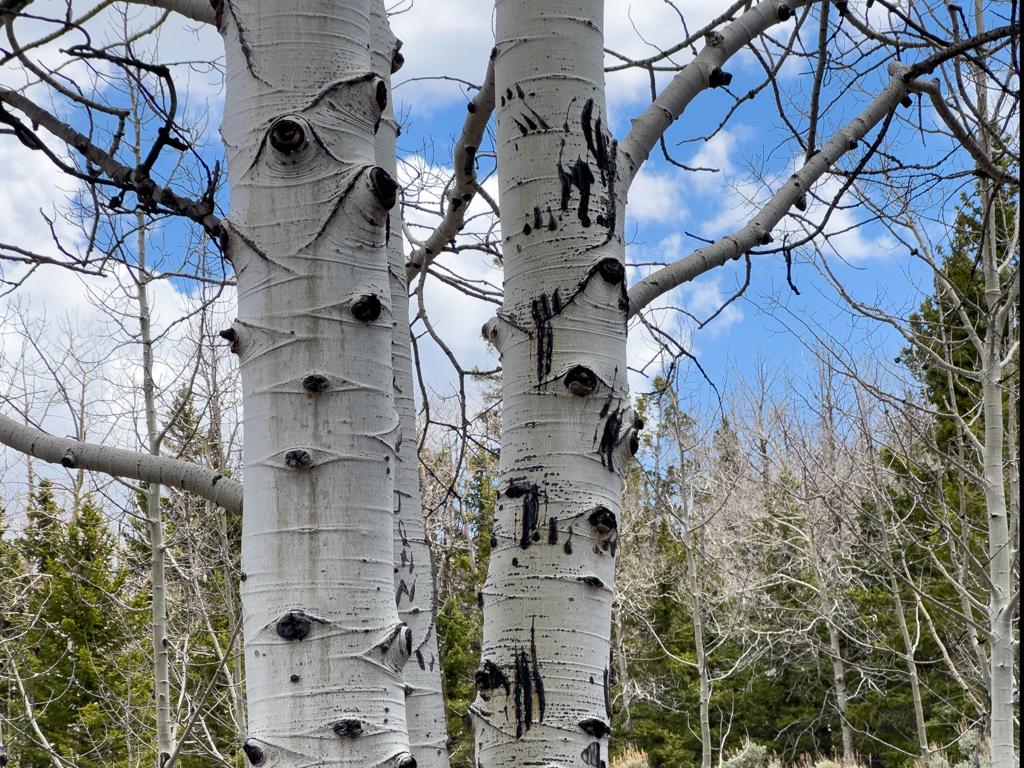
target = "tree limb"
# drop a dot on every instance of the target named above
(985, 164)
(74, 454)
(197, 10)
(148, 191)
(695, 77)
(758, 230)
(461, 195)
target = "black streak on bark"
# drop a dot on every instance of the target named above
(523, 694)
(592, 755)
(488, 677)
(607, 695)
(542, 314)
(403, 589)
(531, 518)
(567, 547)
(580, 176)
(538, 684)
(552, 531)
(610, 438)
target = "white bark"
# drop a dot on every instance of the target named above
(567, 425)
(158, 581)
(1002, 680)
(324, 645)
(414, 577)
(1000, 301)
(71, 453)
(196, 10)
(703, 72)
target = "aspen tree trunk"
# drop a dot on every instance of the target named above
(698, 642)
(158, 580)
(693, 587)
(567, 426)
(161, 673)
(324, 645)
(1001, 678)
(414, 588)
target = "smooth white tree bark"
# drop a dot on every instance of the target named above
(306, 235)
(414, 577)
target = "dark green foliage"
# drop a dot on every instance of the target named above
(71, 639)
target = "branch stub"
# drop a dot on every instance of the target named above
(294, 625)
(367, 308)
(287, 136)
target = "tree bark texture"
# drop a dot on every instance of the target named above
(567, 425)
(414, 588)
(307, 232)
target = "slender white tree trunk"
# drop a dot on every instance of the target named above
(698, 642)
(324, 645)
(567, 426)
(158, 581)
(1002, 680)
(161, 675)
(415, 590)
(828, 613)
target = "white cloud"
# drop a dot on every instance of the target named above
(657, 196)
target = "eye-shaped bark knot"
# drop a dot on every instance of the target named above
(294, 625)
(581, 381)
(385, 189)
(381, 94)
(603, 520)
(253, 752)
(348, 729)
(367, 308)
(298, 459)
(287, 136)
(719, 79)
(611, 270)
(315, 382)
(594, 727)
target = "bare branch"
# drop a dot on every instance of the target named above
(74, 454)
(148, 191)
(695, 77)
(197, 10)
(758, 230)
(461, 194)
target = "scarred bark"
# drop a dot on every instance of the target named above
(567, 425)
(324, 645)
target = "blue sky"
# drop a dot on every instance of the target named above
(670, 209)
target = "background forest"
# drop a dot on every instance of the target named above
(801, 570)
